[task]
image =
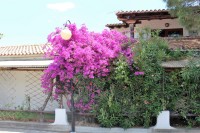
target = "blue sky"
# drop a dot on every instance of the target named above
(30, 21)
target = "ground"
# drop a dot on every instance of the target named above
(6, 130)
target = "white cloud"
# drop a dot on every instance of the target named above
(62, 7)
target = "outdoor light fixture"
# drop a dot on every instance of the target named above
(66, 34)
(166, 24)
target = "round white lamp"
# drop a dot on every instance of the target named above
(66, 34)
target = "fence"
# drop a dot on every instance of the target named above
(21, 97)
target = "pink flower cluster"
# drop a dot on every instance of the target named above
(129, 55)
(86, 53)
(138, 73)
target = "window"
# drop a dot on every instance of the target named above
(171, 32)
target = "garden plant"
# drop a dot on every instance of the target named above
(119, 80)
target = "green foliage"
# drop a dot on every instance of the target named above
(150, 53)
(135, 99)
(115, 106)
(191, 90)
(24, 116)
(109, 113)
(178, 54)
(187, 11)
(121, 70)
(131, 100)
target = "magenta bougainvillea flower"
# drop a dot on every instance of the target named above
(138, 73)
(87, 53)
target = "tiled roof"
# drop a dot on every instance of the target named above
(184, 43)
(116, 24)
(141, 11)
(22, 50)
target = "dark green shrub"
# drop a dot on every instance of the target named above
(131, 100)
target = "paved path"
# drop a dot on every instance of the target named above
(28, 127)
(5, 130)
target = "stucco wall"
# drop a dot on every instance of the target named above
(17, 86)
(160, 24)
(154, 24)
(123, 30)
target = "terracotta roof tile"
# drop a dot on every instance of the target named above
(22, 50)
(116, 24)
(141, 11)
(183, 43)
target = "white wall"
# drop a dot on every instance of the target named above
(7, 89)
(123, 30)
(15, 86)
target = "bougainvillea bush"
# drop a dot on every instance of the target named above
(86, 53)
(99, 69)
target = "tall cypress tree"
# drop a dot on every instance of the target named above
(187, 11)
